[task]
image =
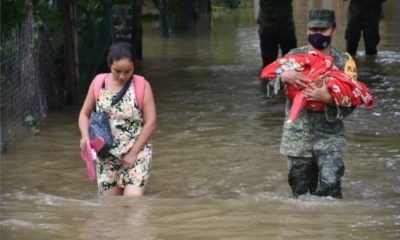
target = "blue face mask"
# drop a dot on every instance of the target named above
(319, 41)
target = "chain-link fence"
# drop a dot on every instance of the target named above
(30, 79)
(22, 103)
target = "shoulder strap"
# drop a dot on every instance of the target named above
(98, 83)
(139, 81)
(140, 85)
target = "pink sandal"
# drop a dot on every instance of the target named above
(97, 144)
(89, 156)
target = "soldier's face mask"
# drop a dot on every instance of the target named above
(319, 41)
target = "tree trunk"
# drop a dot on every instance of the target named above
(28, 68)
(68, 13)
(137, 27)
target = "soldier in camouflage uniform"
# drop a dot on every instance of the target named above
(363, 15)
(315, 141)
(276, 28)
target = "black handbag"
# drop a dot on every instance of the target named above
(99, 125)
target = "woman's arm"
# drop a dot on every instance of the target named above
(84, 116)
(149, 126)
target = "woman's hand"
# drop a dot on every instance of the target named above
(129, 159)
(83, 143)
(297, 79)
(319, 94)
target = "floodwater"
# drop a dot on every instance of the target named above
(217, 172)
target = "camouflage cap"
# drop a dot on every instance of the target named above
(321, 18)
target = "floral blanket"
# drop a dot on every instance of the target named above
(345, 91)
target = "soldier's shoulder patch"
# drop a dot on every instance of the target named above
(350, 68)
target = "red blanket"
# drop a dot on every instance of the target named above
(318, 68)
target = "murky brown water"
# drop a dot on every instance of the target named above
(217, 173)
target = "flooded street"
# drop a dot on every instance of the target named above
(217, 172)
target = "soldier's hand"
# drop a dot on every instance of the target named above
(297, 79)
(320, 94)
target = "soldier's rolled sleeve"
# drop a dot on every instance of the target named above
(275, 87)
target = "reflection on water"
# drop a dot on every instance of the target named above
(217, 172)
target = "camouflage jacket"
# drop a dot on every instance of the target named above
(299, 138)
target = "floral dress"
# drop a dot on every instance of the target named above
(126, 123)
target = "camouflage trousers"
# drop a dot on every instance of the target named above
(319, 175)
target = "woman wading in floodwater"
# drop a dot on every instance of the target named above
(126, 167)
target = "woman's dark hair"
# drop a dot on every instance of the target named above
(120, 50)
